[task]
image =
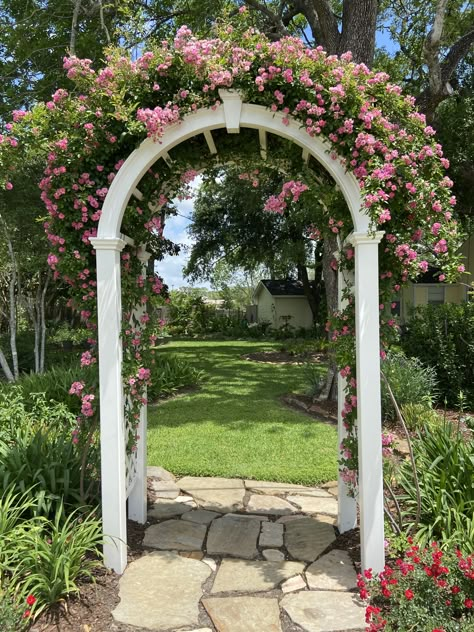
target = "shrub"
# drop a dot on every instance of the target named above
(445, 467)
(67, 336)
(417, 416)
(171, 373)
(37, 453)
(442, 336)
(410, 381)
(427, 590)
(13, 615)
(304, 346)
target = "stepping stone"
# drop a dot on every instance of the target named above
(307, 538)
(161, 591)
(162, 509)
(273, 555)
(316, 505)
(271, 535)
(243, 576)
(285, 519)
(164, 489)
(211, 563)
(249, 516)
(293, 584)
(244, 614)
(157, 471)
(235, 536)
(316, 492)
(269, 487)
(325, 611)
(271, 505)
(193, 555)
(175, 535)
(216, 494)
(201, 516)
(333, 571)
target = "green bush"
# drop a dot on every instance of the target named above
(442, 336)
(37, 453)
(445, 467)
(410, 381)
(169, 374)
(42, 560)
(417, 416)
(66, 336)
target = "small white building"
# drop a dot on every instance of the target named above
(282, 303)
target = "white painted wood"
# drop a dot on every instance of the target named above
(128, 240)
(137, 193)
(112, 441)
(167, 158)
(305, 155)
(262, 137)
(368, 399)
(137, 499)
(347, 506)
(232, 101)
(210, 142)
(253, 116)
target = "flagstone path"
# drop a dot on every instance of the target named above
(228, 555)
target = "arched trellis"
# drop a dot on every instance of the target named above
(232, 115)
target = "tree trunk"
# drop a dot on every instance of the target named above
(359, 22)
(43, 323)
(6, 367)
(12, 306)
(313, 299)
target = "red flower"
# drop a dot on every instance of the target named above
(455, 590)
(26, 614)
(31, 600)
(438, 629)
(469, 603)
(409, 594)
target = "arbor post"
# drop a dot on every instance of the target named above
(112, 431)
(137, 500)
(368, 399)
(347, 505)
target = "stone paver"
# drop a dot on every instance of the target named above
(175, 535)
(307, 538)
(294, 583)
(269, 487)
(271, 535)
(273, 555)
(201, 516)
(333, 571)
(163, 509)
(272, 505)
(245, 576)
(216, 494)
(157, 471)
(161, 591)
(325, 611)
(249, 516)
(316, 505)
(164, 489)
(235, 536)
(244, 614)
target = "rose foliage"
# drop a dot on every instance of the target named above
(427, 590)
(84, 134)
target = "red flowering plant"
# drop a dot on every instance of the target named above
(426, 590)
(84, 134)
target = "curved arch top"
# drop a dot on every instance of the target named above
(248, 115)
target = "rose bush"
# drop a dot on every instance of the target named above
(85, 133)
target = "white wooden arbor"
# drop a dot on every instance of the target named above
(125, 479)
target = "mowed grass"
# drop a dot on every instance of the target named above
(234, 425)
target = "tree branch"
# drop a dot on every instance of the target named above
(456, 53)
(277, 23)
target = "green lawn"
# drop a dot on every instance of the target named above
(234, 425)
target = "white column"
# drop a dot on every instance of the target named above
(137, 500)
(347, 506)
(368, 399)
(112, 440)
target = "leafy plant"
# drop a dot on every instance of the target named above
(13, 616)
(442, 337)
(410, 381)
(171, 373)
(445, 468)
(417, 416)
(53, 556)
(426, 590)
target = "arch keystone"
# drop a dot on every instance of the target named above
(232, 101)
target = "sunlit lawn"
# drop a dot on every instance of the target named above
(234, 425)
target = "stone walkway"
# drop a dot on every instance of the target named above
(229, 555)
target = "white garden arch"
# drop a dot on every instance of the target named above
(123, 478)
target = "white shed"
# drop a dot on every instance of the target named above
(282, 302)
